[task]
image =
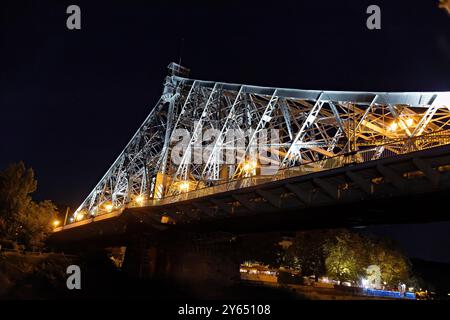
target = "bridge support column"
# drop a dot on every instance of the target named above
(195, 265)
(143, 260)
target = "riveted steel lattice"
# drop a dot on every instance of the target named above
(312, 126)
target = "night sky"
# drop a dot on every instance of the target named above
(71, 100)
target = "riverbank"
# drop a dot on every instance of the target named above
(32, 275)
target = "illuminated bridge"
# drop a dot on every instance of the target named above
(213, 160)
(329, 157)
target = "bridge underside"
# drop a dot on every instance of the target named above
(400, 189)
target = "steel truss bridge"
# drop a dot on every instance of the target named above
(334, 147)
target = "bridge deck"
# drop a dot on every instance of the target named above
(391, 190)
(316, 130)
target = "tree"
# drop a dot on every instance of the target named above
(16, 185)
(21, 219)
(394, 265)
(350, 254)
(346, 257)
(263, 248)
(307, 252)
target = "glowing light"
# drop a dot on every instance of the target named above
(409, 122)
(165, 219)
(246, 167)
(109, 207)
(393, 126)
(56, 223)
(249, 166)
(406, 122)
(184, 186)
(140, 200)
(365, 283)
(79, 216)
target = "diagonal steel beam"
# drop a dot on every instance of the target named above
(365, 185)
(216, 147)
(265, 118)
(270, 197)
(393, 177)
(429, 172)
(329, 189)
(302, 132)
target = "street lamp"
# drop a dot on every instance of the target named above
(79, 216)
(139, 200)
(406, 122)
(56, 223)
(184, 186)
(365, 283)
(249, 167)
(409, 122)
(393, 126)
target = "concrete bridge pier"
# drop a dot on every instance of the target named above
(188, 261)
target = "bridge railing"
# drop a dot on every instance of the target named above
(383, 150)
(387, 150)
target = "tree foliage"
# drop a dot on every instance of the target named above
(263, 248)
(344, 255)
(21, 219)
(307, 252)
(394, 266)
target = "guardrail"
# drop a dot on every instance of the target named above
(36, 253)
(387, 150)
(389, 294)
(381, 151)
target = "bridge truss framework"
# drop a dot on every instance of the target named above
(318, 130)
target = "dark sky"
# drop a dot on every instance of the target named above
(70, 100)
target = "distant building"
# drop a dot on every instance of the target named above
(286, 242)
(258, 273)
